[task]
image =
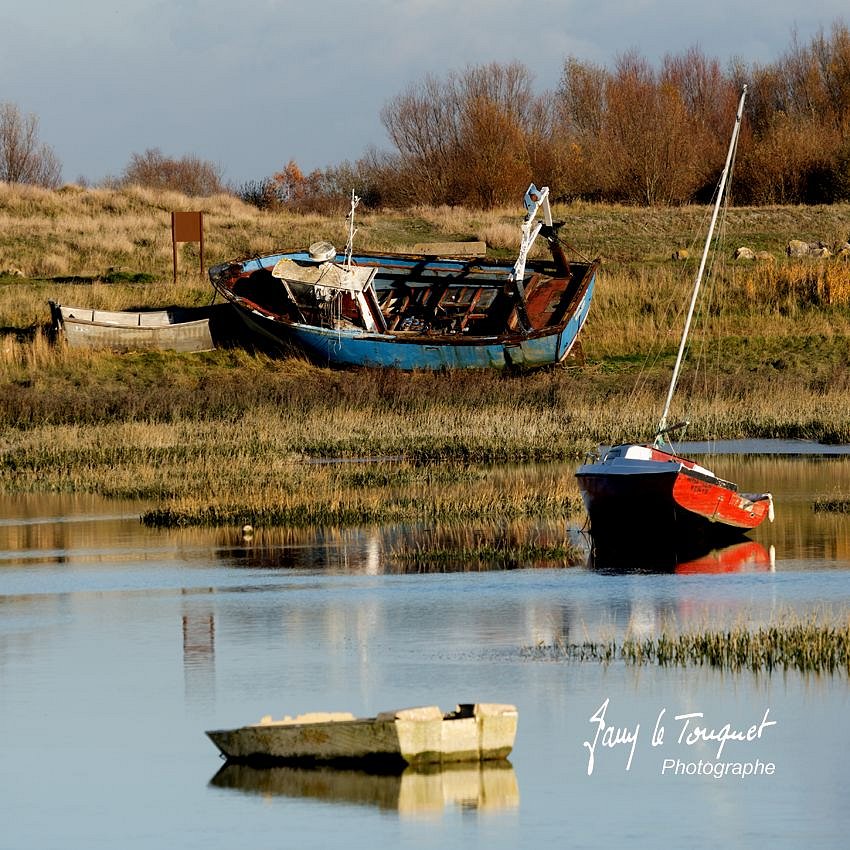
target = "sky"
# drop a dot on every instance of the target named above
(252, 84)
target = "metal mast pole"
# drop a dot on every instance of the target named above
(732, 144)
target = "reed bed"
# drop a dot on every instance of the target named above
(250, 471)
(496, 555)
(307, 497)
(832, 505)
(804, 647)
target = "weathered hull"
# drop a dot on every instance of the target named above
(162, 330)
(414, 736)
(355, 348)
(504, 345)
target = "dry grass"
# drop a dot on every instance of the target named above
(795, 286)
(254, 471)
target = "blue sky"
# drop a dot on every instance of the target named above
(250, 85)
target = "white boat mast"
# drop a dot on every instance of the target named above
(352, 230)
(534, 199)
(720, 190)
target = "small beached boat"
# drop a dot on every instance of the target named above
(479, 732)
(417, 311)
(174, 329)
(649, 492)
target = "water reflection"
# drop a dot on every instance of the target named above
(404, 549)
(485, 787)
(640, 556)
(198, 626)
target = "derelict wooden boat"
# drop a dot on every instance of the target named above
(416, 736)
(417, 311)
(174, 329)
(648, 491)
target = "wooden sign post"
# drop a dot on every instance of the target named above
(187, 227)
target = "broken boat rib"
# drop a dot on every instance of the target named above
(418, 311)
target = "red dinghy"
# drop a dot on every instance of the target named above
(650, 491)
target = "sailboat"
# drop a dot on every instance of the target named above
(648, 492)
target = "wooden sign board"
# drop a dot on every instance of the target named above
(187, 227)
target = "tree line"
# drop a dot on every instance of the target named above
(633, 133)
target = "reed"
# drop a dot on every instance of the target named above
(832, 505)
(310, 500)
(803, 646)
(495, 555)
(248, 471)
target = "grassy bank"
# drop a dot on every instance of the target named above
(186, 432)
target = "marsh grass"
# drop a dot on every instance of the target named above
(188, 431)
(832, 505)
(304, 495)
(804, 646)
(254, 471)
(498, 555)
(794, 286)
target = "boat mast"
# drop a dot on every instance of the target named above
(349, 246)
(720, 189)
(534, 199)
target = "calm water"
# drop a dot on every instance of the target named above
(119, 645)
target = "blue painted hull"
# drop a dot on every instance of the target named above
(355, 348)
(347, 346)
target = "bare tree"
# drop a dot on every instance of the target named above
(23, 159)
(469, 138)
(189, 174)
(422, 124)
(643, 135)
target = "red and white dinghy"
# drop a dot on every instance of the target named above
(636, 489)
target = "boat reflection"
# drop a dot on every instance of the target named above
(485, 786)
(636, 556)
(745, 557)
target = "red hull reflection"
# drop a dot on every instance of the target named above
(745, 557)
